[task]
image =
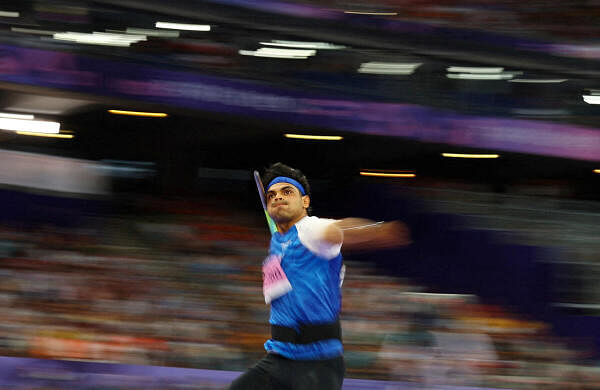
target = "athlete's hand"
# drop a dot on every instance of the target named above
(393, 234)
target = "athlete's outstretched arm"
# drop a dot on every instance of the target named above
(364, 234)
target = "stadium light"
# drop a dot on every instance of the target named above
(12, 124)
(314, 137)
(183, 26)
(538, 81)
(300, 54)
(388, 174)
(376, 13)
(139, 113)
(10, 115)
(388, 68)
(479, 76)
(304, 45)
(33, 31)
(480, 73)
(591, 99)
(466, 155)
(9, 14)
(32, 133)
(475, 69)
(100, 38)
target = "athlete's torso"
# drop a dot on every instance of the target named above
(313, 270)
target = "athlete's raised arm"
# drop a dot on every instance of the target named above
(365, 234)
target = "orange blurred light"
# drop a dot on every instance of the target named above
(139, 113)
(386, 174)
(68, 136)
(315, 137)
(465, 155)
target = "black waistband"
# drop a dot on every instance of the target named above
(309, 333)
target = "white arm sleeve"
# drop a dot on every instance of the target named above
(311, 231)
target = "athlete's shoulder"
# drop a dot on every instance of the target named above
(311, 232)
(312, 221)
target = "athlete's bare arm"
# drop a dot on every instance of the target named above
(364, 234)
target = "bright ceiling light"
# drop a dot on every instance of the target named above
(596, 170)
(66, 136)
(480, 73)
(9, 14)
(372, 13)
(475, 69)
(257, 54)
(591, 99)
(279, 53)
(466, 155)
(388, 174)
(33, 31)
(477, 76)
(139, 113)
(315, 137)
(29, 125)
(181, 26)
(287, 52)
(100, 38)
(538, 80)
(304, 45)
(146, 32)
(27, 117)
(540, 112)
(35, 110)
(388, 68)
(152, 33)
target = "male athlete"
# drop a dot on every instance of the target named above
(302, 278)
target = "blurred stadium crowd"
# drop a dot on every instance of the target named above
(179, 284)
(533, 18)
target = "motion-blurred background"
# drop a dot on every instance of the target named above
(131, 234)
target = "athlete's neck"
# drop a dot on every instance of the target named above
(283, 227)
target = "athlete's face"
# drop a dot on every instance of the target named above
(285, 203)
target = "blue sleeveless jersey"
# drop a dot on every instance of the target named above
(315, 296)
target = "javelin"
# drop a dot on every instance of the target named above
(261, 194)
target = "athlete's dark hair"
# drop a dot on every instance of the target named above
(279, 169)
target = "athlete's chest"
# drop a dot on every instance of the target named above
(291, 250)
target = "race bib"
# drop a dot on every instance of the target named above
(275, 281)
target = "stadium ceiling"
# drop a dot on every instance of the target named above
(417, 54)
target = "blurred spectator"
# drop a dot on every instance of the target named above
(163, 288)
